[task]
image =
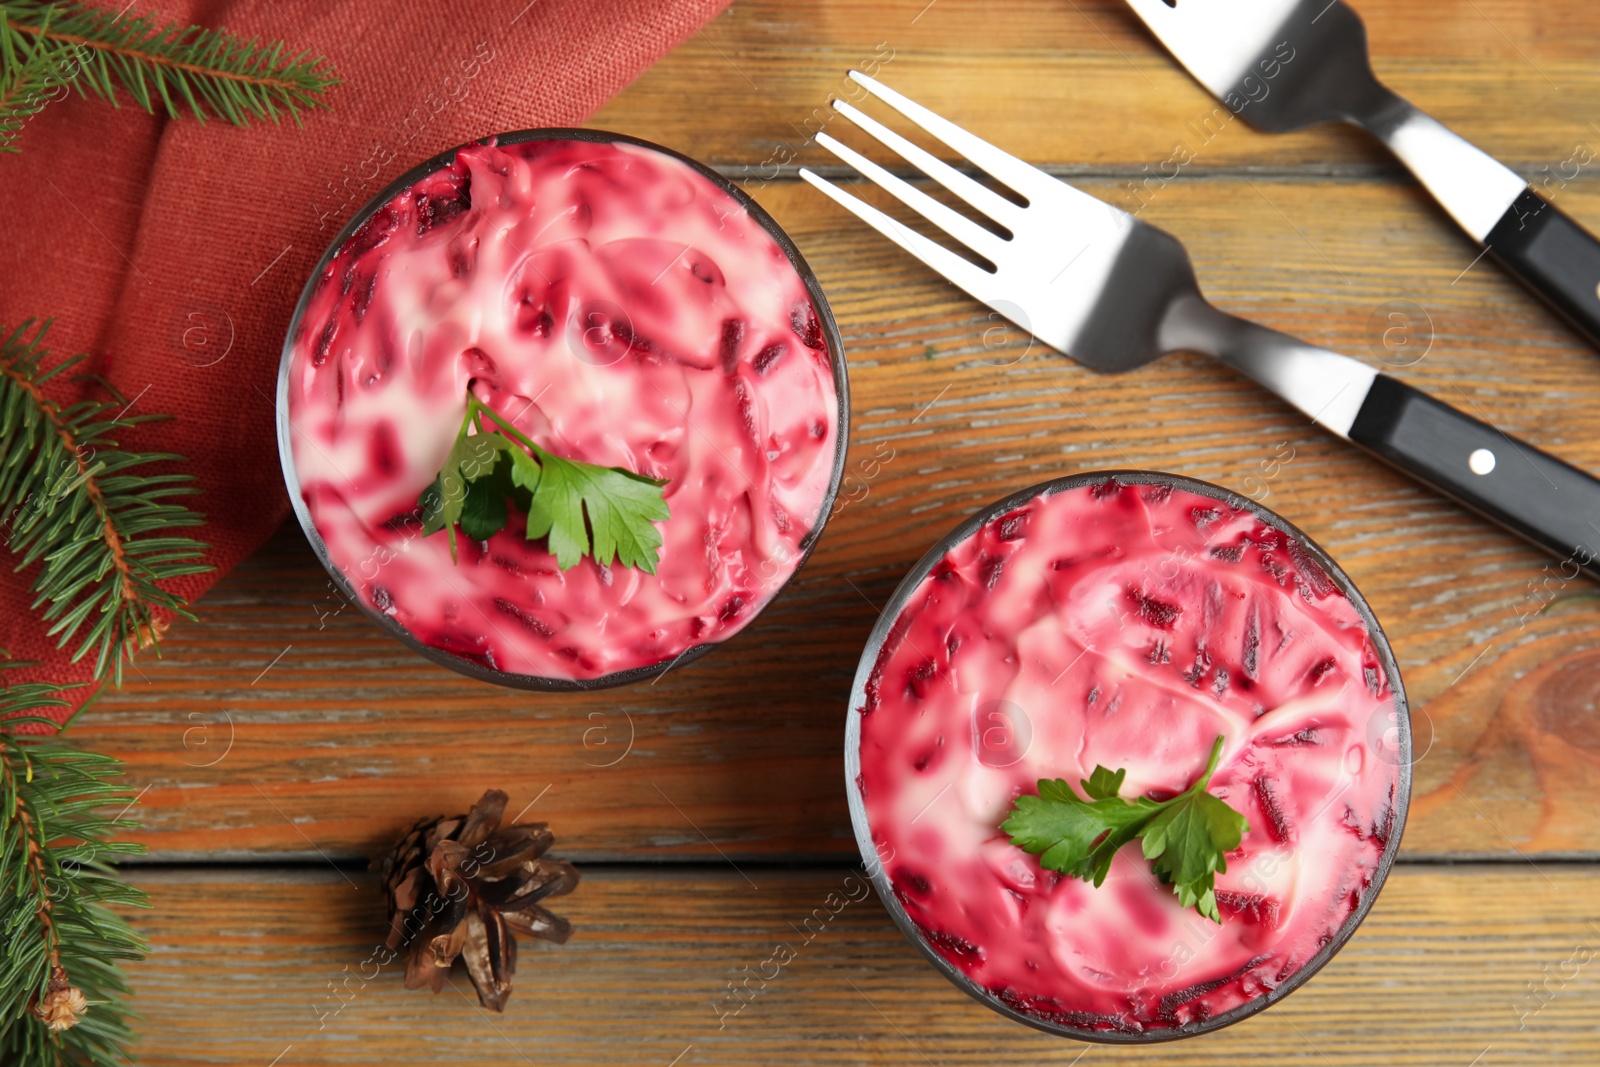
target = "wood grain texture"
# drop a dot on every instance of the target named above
(283, 725)
(1493, 962)
(1083, 85)
(339, 735)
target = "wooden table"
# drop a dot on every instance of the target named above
(283, 739)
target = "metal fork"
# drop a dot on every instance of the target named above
(1115, 293)
(1286, 64)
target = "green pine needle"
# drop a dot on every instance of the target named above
(58, 888)
(72, 500)
(32, 73)
(183, 69)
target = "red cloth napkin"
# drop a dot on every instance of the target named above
(174, 252)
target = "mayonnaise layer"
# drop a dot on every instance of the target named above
(619, 308)
(1129, 626)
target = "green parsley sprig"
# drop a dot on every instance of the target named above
(1186, 839)
(605, 513)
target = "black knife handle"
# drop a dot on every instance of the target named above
(1552, 504)
(1552, 255)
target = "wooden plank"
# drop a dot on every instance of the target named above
(1084, 85)
(338, 735)
(283, 725)
(1480, 964)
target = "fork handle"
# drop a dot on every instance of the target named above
(1554, 256)
(1547, 251)
(1554, 505)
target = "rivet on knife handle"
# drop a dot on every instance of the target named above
(1529, 492)
(1115, 294)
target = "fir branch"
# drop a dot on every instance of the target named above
(32, 73)
(208, 73)
(77, 502)
(57, 890)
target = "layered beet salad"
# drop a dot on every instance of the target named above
(563, 408)
(1123, 758)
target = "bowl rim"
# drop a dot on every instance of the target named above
(460, 664)
(875, 867)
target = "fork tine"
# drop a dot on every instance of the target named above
(1023, 177)
(974, 279)
(975, 193)
(951, 222)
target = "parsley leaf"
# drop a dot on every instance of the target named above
(1066, 829)
(1186, 839)
(620, 507)
(606, 513)
(452, 500)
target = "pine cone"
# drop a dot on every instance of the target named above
(462, 886)
(63, 1003)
